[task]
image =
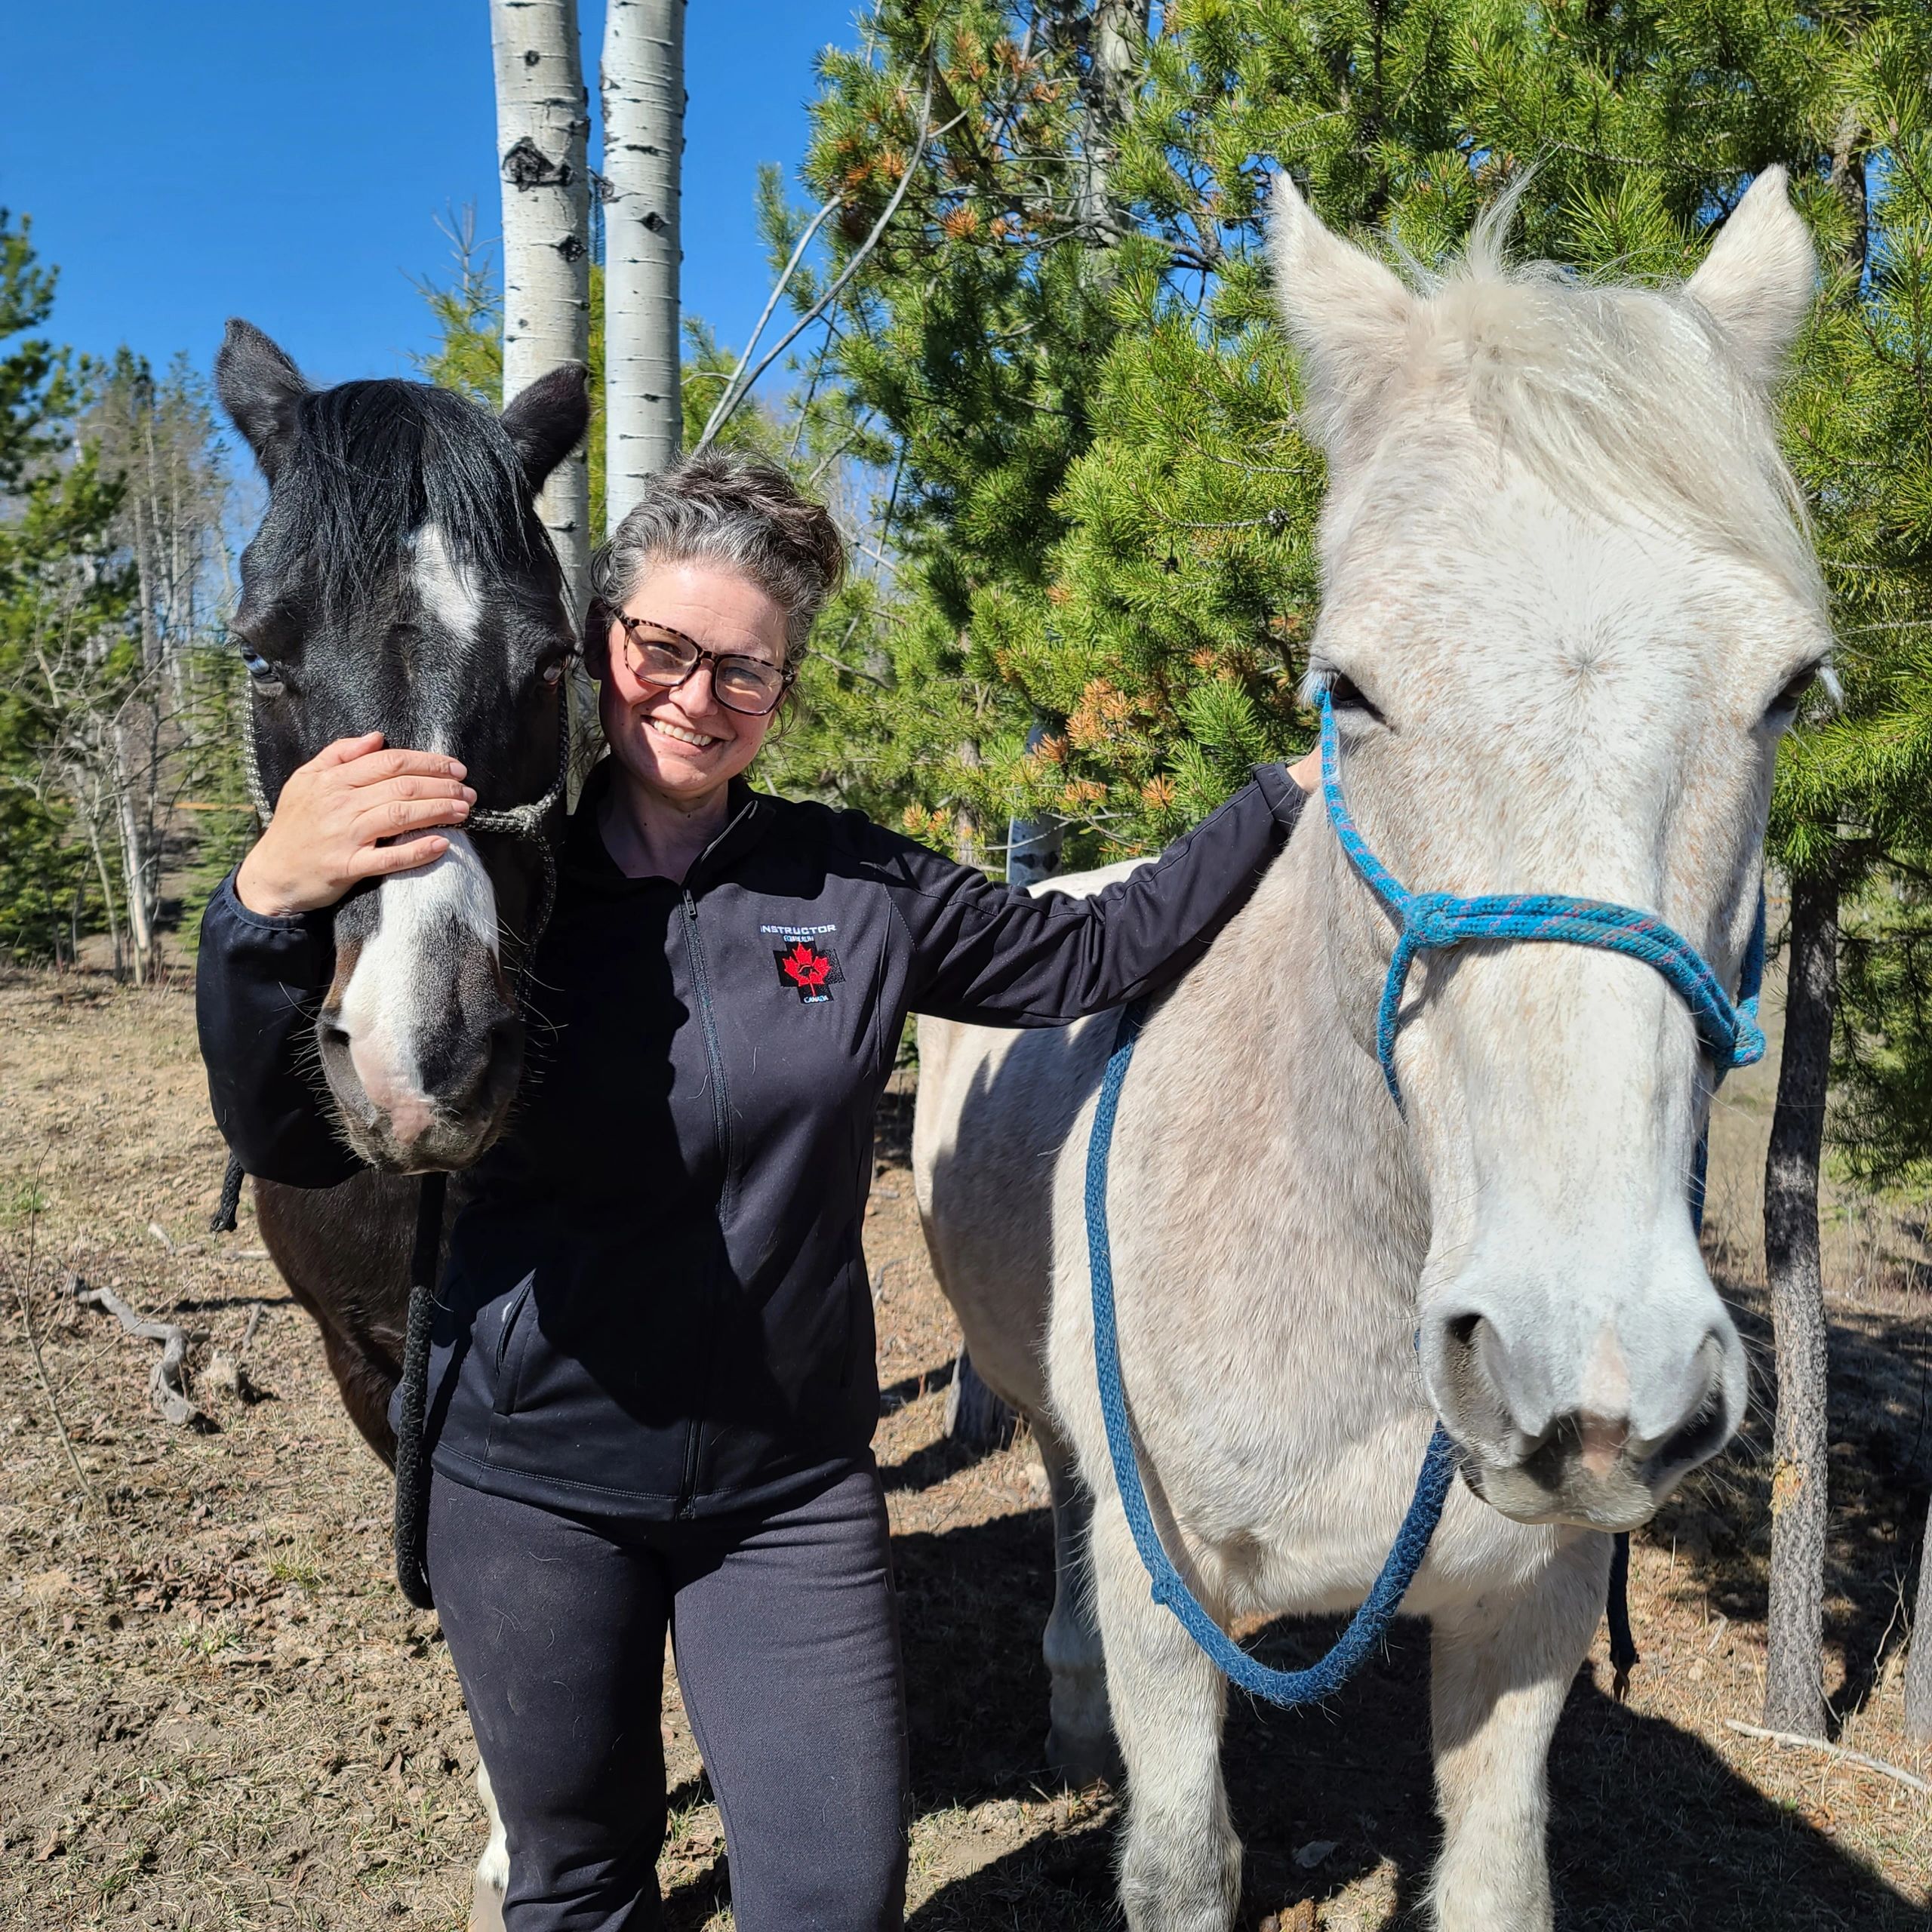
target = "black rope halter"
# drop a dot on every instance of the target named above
(527, 822)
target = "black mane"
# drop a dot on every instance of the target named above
(371, 462)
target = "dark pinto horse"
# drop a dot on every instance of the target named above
(402, 581)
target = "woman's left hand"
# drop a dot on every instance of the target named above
(1306, 771)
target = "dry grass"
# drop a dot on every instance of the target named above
(216, 1712)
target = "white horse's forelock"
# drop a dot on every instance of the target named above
(1620, 399)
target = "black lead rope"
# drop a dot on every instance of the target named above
(222, 1221)
(1623, 1658)
(412, 1463)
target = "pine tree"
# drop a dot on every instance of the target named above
(65, 655)
(1853, 822)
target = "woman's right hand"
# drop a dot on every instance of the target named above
(333, 815)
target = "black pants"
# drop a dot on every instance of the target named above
(786, 1637)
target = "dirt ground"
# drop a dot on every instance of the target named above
(216, 1711)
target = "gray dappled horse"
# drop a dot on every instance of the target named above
(402, 581)
(1570, 607)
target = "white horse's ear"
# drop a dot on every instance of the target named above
(1758, 281)
(1346, 313)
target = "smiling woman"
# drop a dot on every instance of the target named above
(651, 1387)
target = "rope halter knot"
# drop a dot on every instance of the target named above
(1435, 921)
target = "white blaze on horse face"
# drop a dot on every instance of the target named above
(404, 985)
(402, 1008)
(445, 589)
(1561, 559)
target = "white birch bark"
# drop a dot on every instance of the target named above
(136, 858)
(541, 125)
(1117, 33)
(644, 137)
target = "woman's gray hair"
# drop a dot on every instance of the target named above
(720, 508)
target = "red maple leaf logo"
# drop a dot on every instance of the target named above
(807, 970)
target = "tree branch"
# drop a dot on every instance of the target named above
(719, 410)
(728, 403)
(1830, 1750)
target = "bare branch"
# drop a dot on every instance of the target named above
(1831, 1750)
(719, 410)
(728, 404)
(40, 1366)
(167, 1380)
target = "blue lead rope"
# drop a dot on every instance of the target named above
(1369, 1624)
(1429, 921)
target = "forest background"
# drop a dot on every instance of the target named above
(1023, 343)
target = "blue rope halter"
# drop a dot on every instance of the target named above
(1434, 921)
(1428, 921)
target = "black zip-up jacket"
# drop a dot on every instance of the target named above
(655, 1302)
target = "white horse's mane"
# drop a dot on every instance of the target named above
(1617, 396)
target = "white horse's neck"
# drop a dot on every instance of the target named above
(1331, 1190)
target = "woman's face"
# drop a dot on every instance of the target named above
(681, 743)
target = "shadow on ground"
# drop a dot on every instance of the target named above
(1652, 1830)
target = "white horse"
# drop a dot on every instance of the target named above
(1570, 606)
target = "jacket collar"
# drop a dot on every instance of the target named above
(749, 819)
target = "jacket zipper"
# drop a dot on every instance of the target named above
(720, 1124)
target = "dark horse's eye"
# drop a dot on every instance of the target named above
(552, 671)
(257, 666)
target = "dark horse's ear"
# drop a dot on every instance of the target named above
(259, 387)
(548, 419)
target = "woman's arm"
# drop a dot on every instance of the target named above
(258, 981)
(986, 953)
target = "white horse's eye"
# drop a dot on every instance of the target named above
(1794, 693)
(1345, 694)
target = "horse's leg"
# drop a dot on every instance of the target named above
(1180, 1865)
(493, 1869)
(1502, 1668)
(366, 1382)
(1080, 1740)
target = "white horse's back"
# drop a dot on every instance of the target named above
(994, 1110)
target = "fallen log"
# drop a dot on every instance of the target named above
(168, 1380)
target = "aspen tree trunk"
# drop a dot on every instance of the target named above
(1033, 844)
(541, 121)
(1115, 35)
(103, 872)
(137, 864)
(1794, 1666)
(643, 138)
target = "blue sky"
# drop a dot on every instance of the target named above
(185, 161)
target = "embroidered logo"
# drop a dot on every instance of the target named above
(811, 970)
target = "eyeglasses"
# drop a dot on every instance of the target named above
(660, 656)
